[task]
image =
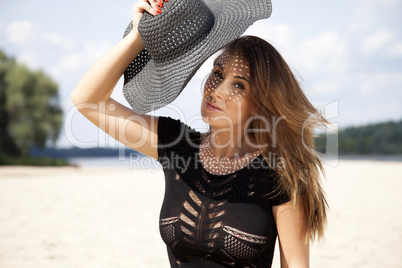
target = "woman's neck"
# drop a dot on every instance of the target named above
(223, 154)
(226, 144)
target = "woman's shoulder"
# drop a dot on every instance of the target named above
(170, 130)
(165, 122)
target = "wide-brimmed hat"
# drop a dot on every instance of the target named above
(178, 41)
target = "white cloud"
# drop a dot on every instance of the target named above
(279, 35)
(95, 50)
(18, 32)
(73, 61)
(80, 60)
(53, 38)
(272, 32)
(58, 40)
(396, 50)
(367, 15)
(380, 112)
(377, 41)
(381, 84)
(325, 52)
(325, 86)
(29, 59)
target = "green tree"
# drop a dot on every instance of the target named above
(30, 114)
(381, 138)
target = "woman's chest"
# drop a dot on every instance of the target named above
(210, 221)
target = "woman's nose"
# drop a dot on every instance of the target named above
(220, 90)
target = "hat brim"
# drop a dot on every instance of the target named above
(158, 84)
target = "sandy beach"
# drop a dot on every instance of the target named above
(108, 217)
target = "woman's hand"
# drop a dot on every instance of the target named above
(150, 6)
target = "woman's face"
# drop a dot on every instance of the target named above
(227, 101)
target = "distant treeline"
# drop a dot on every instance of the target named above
(374, 139)
(81, 152)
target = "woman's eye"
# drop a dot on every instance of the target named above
(239, 86)
(218, 74)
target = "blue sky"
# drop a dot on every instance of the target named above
(348, 54)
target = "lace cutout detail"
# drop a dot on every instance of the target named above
(167, 229)
(237, 249)
(168, 221)
(190, 209)
(258, 239)
(195, 198)
(186, 231)
(168, 233)
(200, 187)
(222, 192)
(187, 220)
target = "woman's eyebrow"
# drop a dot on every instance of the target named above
(219, 65)
(241, 77)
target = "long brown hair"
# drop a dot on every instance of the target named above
(280, 100)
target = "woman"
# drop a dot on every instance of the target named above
(230, 192)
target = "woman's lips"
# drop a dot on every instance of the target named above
(213, 107)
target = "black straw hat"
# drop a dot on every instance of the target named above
(178, 41)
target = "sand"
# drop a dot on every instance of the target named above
(108, 217)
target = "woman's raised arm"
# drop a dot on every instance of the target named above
(91, 96)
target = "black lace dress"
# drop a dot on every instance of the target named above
(211, 220)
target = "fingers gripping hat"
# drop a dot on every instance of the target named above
(178, 41)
